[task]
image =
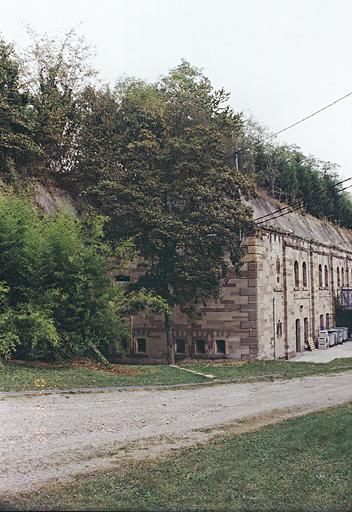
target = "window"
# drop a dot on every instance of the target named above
(180, 346)
(141, 345)
(347, 279)
(326, 272)
(320, 276)
(304, 274)
(296, 274)
(338, 277)
(220, 347)
(278, 269)
(327, 320)
(279, 328)
(199, 347)
(122, 278)
(342, 277)
(321, 322)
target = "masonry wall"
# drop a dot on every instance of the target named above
(233, 319)
(293, 307)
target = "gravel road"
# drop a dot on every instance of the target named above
(47, 438)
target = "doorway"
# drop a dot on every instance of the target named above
(306, 334)
(298, 335)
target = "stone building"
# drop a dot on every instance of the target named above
(291, 271)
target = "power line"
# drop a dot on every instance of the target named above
(286, 213)
(294, 208)
(300, 201)
(302, 120)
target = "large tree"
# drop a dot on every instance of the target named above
(17, 142)
(157, 159)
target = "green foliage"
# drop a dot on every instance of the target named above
(17, 144)
(154, 160)
(55, 295)
(289, 175)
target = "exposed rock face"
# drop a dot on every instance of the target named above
(51, 198)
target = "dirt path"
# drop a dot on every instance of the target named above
(51, 437)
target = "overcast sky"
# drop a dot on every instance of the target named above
(279, 59)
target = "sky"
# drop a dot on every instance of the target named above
(279, 59)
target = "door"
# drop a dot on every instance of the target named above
(298, 336)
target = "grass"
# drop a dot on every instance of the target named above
(14, 377)
(303, 464)
(267, 370)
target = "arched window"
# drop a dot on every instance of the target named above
(321, 322)
(338, 277)
(326, 276)
(347, 278)
(304, 274)
(320, 276)
(342, 277)
(327, 320)
(296, 274)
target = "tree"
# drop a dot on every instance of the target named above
(56, 71)
(17, 145)
(158, 164)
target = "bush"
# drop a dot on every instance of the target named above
(55, 293)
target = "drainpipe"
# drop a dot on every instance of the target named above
(284, 282)
(312, 296)
(274, 327)
(333, 312)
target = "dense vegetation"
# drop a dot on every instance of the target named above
(55, 294)
(156, 161)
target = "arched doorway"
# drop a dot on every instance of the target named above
(298, 335)
(306, 326)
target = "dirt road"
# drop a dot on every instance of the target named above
(51, 437)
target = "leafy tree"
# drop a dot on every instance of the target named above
(56, 70)
(17, 144)
(157, 163)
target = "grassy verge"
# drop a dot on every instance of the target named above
(267, 370)
(14, 377)
(302, 464)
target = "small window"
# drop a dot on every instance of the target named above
(220, 347)
(296, 274)
(320, 276)
(304, 274)
(122, 278)
(338, 277)
(278, 269)
(343, 277)
(199, 347)
(347, 278)
(321, 322)
(279, 328)
(327, 321)
(141, 345)
(326, 276)
(180, 346)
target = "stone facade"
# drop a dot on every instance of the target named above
(291, 271)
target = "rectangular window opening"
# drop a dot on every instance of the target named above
(180, 346)
(220, 346)
(141, 345)
(122, 278)
(200, 346)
